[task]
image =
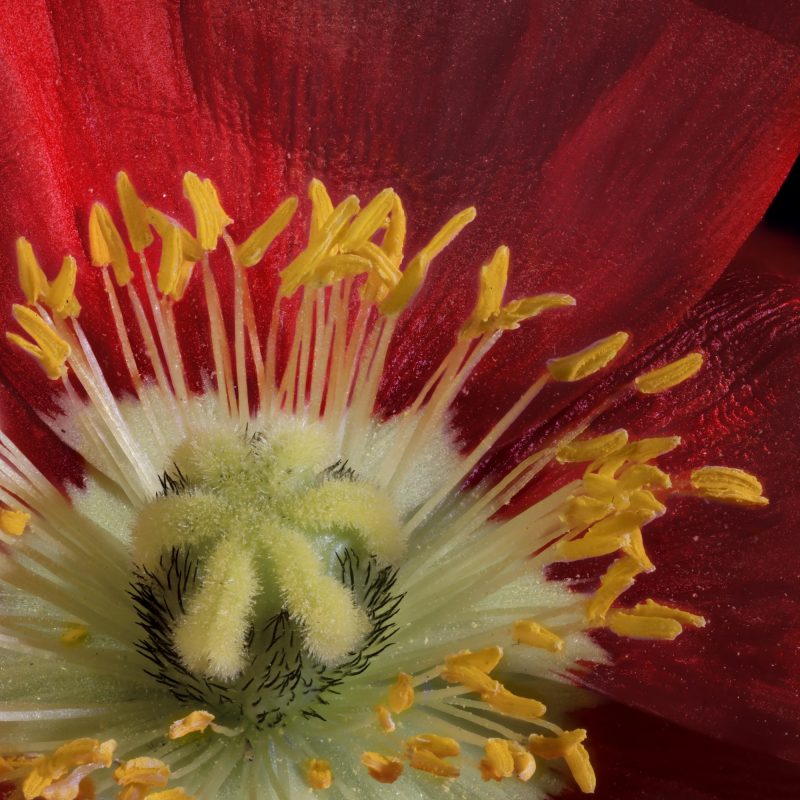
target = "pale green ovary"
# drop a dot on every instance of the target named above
(260, 515)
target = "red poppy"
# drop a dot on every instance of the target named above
(623, 153)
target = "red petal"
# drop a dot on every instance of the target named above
(736, 679)
(640, 757)
(622, 153)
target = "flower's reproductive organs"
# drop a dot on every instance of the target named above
(273, 554)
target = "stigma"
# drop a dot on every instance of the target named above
(312, 594)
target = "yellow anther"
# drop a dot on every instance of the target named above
(643, 450)
(401, 694)
(414, 274)
(32, 279)
(497, 762)
(584, 510)
(591, 546)
(484, 660)
(663, 378)
(383, 268)
(637, 627)
(384, 769)
(319, 774)
(549, 747)
(49, 349)
(426, 761)
(58, 777)
(593, 449)
(581, 768)
(13, 522)
(624, 522)
(617, 579)
(169, 266)
(586, 362)
(601, 487)
(729, 485)
(134, 213)
(646, 500)
(333, 268)
(321, 206)
(304, 265)
(162, 223)
(472, 678)
(12, 765)
(524, 762)
(639, 475)
(492, 286)
(75, 633)
(209, 217)
(368, 221)
(652, 609)
(511, 705)
(196, 722)
(143, 771)
(60, 294)
(635, 549)
(511, 314)
(252, 250)
(395, 236)
(106, 245)
(526, 631)
(442, 746)
(385, 719)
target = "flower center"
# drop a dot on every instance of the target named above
(264, 571)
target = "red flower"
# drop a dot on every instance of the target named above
(622, 152)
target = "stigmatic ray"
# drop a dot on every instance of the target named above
(266, 588)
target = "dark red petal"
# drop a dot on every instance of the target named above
(639, 757)
(736, 679)
(622, 152)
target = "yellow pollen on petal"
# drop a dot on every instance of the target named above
(484, 660)
(663, 378)
(145, 771)
(106, 245)
(510, 704)
(652, 609)
(385, 719)
(58, 777)
(586, 362)
(134, 214)
(49, 349)
(535, 635)
(497, 762)
(728, 485)
(252, 250)
(617, 579)
(384, 769)
(196, 722)
(635, 626)
(60, 295)
(209, 217)
(13, 522)
(550, 747)
(32, 279)
(401, 694)
(319, 774)
(75, 633)
(599, 447)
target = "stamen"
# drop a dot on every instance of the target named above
(319, 774)
(652, 609)
(600, 447)
(663, 378)
(196, 722)
(49, 349)
(106, 245)
(58, 777)
(643, 627)
(497, 762)
(32, 279)
(401, 694)
(384, 769)
(252, 250)
(616, 580)
(13, 522)
(586, 362)
(385, 719)
(533, 634)
(209, 217)
(134, 213)
(427, 752)
(728, 485)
